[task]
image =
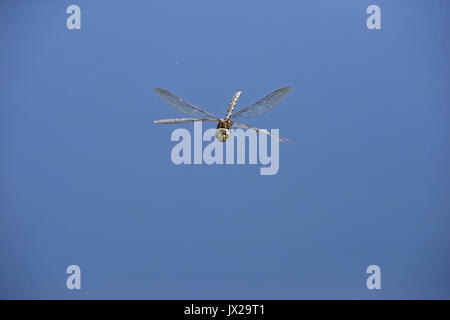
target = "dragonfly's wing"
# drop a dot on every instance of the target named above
(182, 120)
(245, 126)
(263, 105)
(182, 105)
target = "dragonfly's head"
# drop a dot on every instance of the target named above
(222, 134)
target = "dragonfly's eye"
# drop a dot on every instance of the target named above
(222, 134)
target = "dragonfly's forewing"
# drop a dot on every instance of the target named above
(182, 105)
(263, 105)
(246, 126)
(182, 120)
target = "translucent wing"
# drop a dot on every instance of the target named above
(182, 105)
(182, 120)
(245, 126)
(263, 105)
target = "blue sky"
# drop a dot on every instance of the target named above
(86, 177)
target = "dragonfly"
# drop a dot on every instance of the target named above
(223, 125)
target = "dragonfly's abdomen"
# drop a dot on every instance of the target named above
(233, 104)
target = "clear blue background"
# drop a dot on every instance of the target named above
(86, 177)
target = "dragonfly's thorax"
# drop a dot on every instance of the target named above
(224, 123)
(223, 130)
